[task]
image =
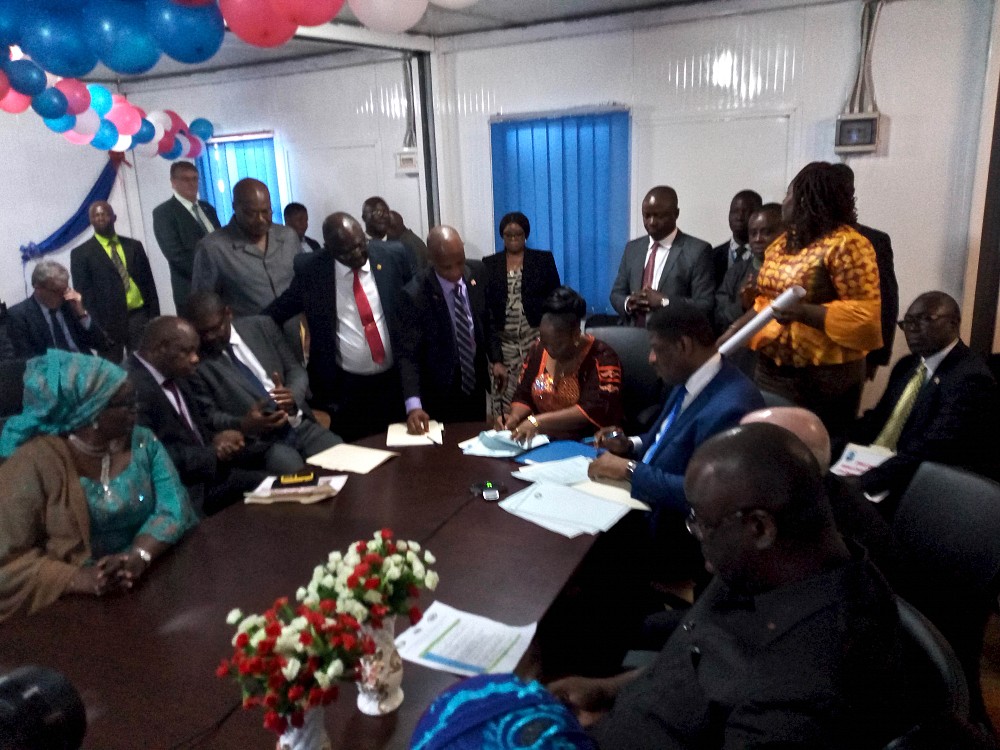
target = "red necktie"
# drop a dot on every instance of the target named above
(368, 321)
(647, 278)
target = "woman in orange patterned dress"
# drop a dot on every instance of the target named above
(570, 383)
(813, 352)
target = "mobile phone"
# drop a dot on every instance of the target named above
(490, 491)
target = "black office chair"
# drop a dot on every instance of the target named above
(641, 388)
(772, 399)
(934, 676)
(947, 533)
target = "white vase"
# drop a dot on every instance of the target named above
(310, 736)
(379, 685)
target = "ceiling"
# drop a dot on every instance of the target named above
(485, 15)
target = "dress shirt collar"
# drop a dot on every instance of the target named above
(343, 270)
(189, 205)
(734, 247)
(158, 376)
(235, 339)
(105, 241)
(448, 287)
(934, 361)
(701, 377)
(666, 242)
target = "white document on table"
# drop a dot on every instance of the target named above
(857, 459)
(565, 508)
(497, 444)
(352, 458)
(398, 437)
(450, 640)
(572, 472)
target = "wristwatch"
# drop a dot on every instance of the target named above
(143, 555)
(630, 469)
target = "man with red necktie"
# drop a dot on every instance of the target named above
(347, 293)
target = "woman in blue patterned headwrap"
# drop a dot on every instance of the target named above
(89, 499)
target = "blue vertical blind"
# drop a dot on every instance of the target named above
(225, 162)
(570, 176)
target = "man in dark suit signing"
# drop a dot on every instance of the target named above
(664, 266)
(53, 317)
(249, 380)
(444, 341)
(112, 274)
(941, 403)
(348, 294)
(179, 223)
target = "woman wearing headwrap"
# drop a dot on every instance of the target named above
(89, 499)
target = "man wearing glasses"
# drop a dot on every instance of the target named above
(941, 403)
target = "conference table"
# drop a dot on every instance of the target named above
(144, 661)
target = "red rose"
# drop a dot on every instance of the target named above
(257, 664)
(305, 638)
(223, 669)
(372, 583)
(373, 559)
(352, 582)
(242, 640)
(271, 700)
(387, 533)
(265, 647)
(276, 681)
(275, 722)
(349, 640)
(281, 603)
(379, 610)
(273, 630)
(361, 547)
(315, 696)
(361, 569)
(244, 667)
(295, 692)
(368, 646)
(415, 615)
(328, 606)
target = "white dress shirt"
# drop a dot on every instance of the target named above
(662, 253)
(197, 211)
(247, 357)
(353, 352)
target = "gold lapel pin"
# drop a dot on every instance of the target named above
(472, 282)
(378, 266)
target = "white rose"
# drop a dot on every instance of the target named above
(429, 558)
(300, 593)
(334, 557)
(234, 616)
(373, 544)
(257, 637)
(328, 581)
(396, 559)
(291, 669)
(431, 580)
(287, 643)
(312, 600)
(418, 569)
(393, 573)
(335, 670)
(401, 545)
(374, 597)
(411, 557)
(249, 623)
(298, 624)
(414, 546)
(322, 680)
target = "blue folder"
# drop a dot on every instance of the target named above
(558, 450)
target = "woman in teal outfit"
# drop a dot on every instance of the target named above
(89, 499)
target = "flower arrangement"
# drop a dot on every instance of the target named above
(289, 660)
(374, 579)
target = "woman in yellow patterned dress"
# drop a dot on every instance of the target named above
(813, 353)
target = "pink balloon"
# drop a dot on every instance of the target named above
(307, 12)
(76, 93)
(4, 84)
(87, 122)
(166, 143)
(177, 124)
(79, 139)
(388, 16)
(197, 146)
(255, 23)
(125, 117)
(118, 99)
(15, 102)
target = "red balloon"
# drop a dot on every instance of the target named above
(15, 102)
(255, 23)
(76, 93)
(4, 84)
(166, 143)
(197, 146)
(307, 12)
(140, 110)
(177, 125)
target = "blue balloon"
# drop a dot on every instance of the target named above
(11, 15)
(174, 151)
(144, 134)
(100, 98)
(54, 39)
(106, 136)
(25, 77)
(117, 33)
(50, 104)
(60, 124)
(201, 128)
(189, 34)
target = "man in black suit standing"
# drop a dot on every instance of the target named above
(941, 403)
(663, 265)
(737, 248)
(53, 317)
(348, 294)
(179, 223)
(297, 217)
(212, 465)
(249, 380)
(444, 342)
(113, 275)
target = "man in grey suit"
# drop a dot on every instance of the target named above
(666, 264)
(248, 379)
(179, 224)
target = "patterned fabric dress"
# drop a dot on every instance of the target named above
(515, 342)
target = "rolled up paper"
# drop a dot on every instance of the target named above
(742, 337)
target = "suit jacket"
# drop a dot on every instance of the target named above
(313, 244)
(223, 395)
(728, 306)
(723, 402)
(313, 291)
(427, 353)
(688, 273)
(720, 261)
(538, 278)
(97, 280)
(228, 263)
(417, 249)
(31, 336)
(953, 421)
(177, 232)
(889, 289)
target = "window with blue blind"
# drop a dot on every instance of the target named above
(228, 159)
(570, 176)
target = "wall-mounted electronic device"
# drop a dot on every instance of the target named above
(858, 125)
(857, 133)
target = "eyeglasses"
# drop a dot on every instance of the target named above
(911, 322)
(699, 529)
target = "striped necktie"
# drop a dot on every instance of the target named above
(893, 428)
(465, 344)
(118, 263)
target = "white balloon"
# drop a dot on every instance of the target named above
(454, 4)
(185, 143)
(160, 119)
(148, 149)
(388, 16)
(158, 131)
(123, 143)
(87, 122)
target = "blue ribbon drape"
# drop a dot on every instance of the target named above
(78, 221)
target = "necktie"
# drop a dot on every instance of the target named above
(249, 378)
(58, 335)
(648, 272)
(199, 215)
(171, 386)
(890, 433)
(738, 254)
(368, 321)
(670, 419)
(464, 342)
(119, 264)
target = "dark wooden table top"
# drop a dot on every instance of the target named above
(144, 662)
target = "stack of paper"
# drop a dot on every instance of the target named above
(398, 437)
(498, 444)
(266, 493)
(353, 458)
(564, 510)
(453, 641)
(572, 472)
